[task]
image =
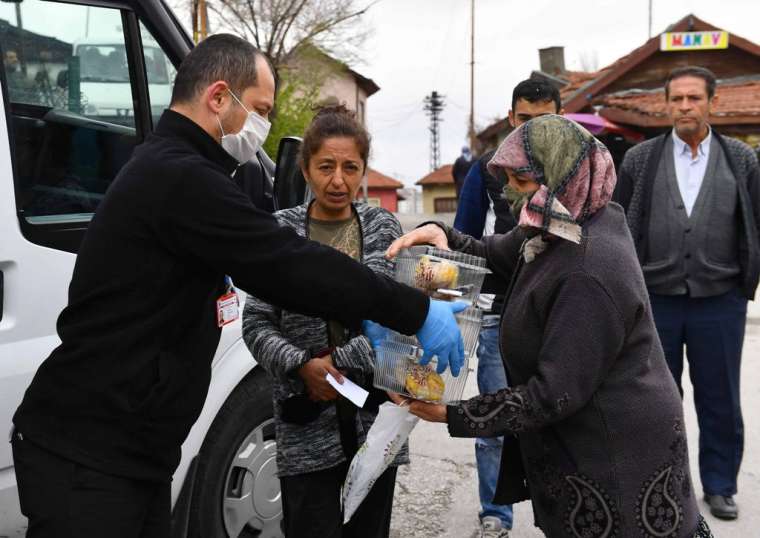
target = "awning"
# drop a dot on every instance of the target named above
(598, 125)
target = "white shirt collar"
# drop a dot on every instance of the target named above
(684, 148)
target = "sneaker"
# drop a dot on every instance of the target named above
(490, 527)
(722, 507)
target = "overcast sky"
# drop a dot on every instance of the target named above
(423, 45)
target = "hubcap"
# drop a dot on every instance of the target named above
(252, 497)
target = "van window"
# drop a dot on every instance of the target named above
(67, 77)
(160, 74)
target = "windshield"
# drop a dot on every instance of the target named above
(103, 63)
(108, 63)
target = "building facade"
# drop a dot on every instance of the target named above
(438, 191)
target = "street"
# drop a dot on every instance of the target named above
(436, 496)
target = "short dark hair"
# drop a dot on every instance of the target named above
(218, 57)
(692, 71)
(331, 122)
(534, 91)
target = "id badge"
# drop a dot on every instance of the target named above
(227, 309)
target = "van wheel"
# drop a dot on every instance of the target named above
(236, 491)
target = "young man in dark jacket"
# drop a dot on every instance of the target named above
(98, 434)
(483, 210)
(692, 200)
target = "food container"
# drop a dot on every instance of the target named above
(397, 369)
(443, 275)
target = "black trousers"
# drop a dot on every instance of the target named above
(712, 329)
(63, 499)
(311, 506)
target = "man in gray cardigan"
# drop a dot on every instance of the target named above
(692, 201)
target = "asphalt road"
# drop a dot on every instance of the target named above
(436, 495)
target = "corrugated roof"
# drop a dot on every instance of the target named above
(439, 176)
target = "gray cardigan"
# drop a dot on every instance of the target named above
(283, 341)
(634, 192)
(599, 419)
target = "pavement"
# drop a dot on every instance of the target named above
(436, 495)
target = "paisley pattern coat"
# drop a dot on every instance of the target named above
(602, 447)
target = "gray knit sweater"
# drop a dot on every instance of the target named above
(283, 341)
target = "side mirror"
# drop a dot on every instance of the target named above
(290, 187)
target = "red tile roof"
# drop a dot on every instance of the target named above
(376, 180)
(439, 176)
(735, 98)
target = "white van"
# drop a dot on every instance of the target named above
(59, 151)
(104, 76)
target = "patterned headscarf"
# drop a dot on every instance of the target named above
(574, 169)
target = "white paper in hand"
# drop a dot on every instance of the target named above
(349, 389)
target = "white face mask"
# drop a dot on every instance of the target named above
(244, 145)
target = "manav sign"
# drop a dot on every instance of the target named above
(672, 41)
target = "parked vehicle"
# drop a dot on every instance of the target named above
(104, 77)
(63, 139)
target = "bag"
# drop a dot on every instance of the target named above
(384, 440)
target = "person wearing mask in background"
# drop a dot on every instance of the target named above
(692, 199)
(460, 168)
(483, 210)
(318, 432)
(98, 434)
(602, 441)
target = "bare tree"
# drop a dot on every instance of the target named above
(281, 27)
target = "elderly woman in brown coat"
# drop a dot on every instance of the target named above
(593, 422)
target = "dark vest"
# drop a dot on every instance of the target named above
(698, 253)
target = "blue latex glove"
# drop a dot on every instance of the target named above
(440, 336)
(375, 332)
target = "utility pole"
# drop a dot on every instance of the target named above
(433, 108)
(471, 130)
(19, 24)
(650, 19)
(200, 21)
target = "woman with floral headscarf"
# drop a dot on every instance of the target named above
(593, 422)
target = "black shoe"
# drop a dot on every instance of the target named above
(722, 507)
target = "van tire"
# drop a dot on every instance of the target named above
(236, 473)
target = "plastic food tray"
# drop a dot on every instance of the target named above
(442, 274)
(394, 362)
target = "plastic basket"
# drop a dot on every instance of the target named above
(396, 361)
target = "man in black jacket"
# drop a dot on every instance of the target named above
(98, 434)
(692, 200)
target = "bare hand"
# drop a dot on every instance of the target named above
(430, 234)
(397, 398)
(313, 374)
(428, 411)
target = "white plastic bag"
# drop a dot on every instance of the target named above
(385, 438)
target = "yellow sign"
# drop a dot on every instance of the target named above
(672, 41)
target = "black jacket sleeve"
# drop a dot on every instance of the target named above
(208, 220)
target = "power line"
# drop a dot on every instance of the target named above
(433, 107)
